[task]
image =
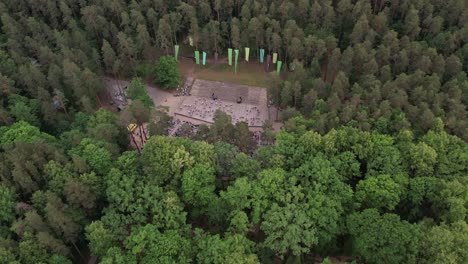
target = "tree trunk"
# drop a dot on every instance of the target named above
(285, 57)
(216, 43)
(325, 72)
(258, 51)
(144, 132)
(141, 134)
(64, 108)
(99, 100)
(134, 142)
(78, 250)
(267, 64)
(114, 74)
(4, 119)
(118, 84)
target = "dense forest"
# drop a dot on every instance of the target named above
(385, 199)
(371, 163)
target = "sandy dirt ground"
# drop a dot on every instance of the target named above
(159, 96)
(162, 97)
(201, 106)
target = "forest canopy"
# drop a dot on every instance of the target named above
(185, 201)
(371, 162)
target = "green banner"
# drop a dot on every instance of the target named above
(176, 52)
(204, 58)
(262, 54)
(230, 57)
(247, 51)
(275, 57)
(236, 58)
(278, 66)
(197, 57)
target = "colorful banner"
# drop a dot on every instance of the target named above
(197, 57)
(176, 52)
(262, 54)
(190, 41)
(230, 57)
(275, 57)
(278, 66)
(204, 58)
(247, 51)
(236, 58)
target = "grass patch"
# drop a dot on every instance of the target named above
(252, 73)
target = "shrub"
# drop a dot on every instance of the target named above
(166, 72)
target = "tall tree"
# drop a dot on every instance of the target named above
(383, 237)
(282, 226)
(167, 73)
(142, 114)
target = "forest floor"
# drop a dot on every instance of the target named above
(160, 97)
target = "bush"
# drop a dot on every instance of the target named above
(136, 91)
(143, 70)
(167, 73)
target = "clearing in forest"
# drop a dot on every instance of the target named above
(241, 102)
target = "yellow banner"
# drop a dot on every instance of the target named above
(190, 41)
